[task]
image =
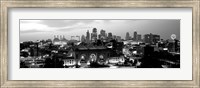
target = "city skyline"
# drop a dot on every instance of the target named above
(46, 29)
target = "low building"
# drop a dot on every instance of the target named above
(69, 62)
(116, 60)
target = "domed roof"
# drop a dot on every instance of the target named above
(64, 40)
(56, 40)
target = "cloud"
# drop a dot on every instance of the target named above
(117, 27)
(57, 23)
(32, 31)
(63, 23)
(53, 25)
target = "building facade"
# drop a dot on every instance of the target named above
(151, 38)
(127, 36)
(135, 36)
(92, 54)
(59, 41)
(87, 36)
(94, 35)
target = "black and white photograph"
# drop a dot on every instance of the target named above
(99, 43)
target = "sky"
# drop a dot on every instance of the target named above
(46, 29)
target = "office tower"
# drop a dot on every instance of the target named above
(103, 34)
(127, 36)
(83, 39)
(94, 35)
(139, 37)
(109, 36)
(119, 38)
(151, 38)
(87, 36)
(135, 36)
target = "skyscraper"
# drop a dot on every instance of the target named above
(139, 37)
(151, 38)
(94, 34)
(83, 39)
(110, 36)
(127, 36)
(156, 38)
(103, 34)
(119, 38)
(147, 38)
(135, 36)
(87, 36)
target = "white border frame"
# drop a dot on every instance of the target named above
(185, 73)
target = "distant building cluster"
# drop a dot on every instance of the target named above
(106, 37)
(59, 40)
(103, 36)
(148, 38)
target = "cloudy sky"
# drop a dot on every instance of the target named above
(46, 29)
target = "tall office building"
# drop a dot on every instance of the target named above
(110, 37)
(103, 34)
(156, 38)
(94, 35)
(118, 38)
(151, 38)
(127, 36)
(135, 36)
(148, 38)
(83, 39)
(139, 37)
(87, 36)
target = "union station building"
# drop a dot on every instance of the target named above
(92, 54)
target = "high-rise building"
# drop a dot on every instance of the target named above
(151, 38)
(99, 36)
(83, 39)
(127, 36)
(148, 38)
(87, 36)
(102, 35)
(135, 36)
(156, 38)
(94, 35)
(110, 37)
(119, 39)
(139, 37)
